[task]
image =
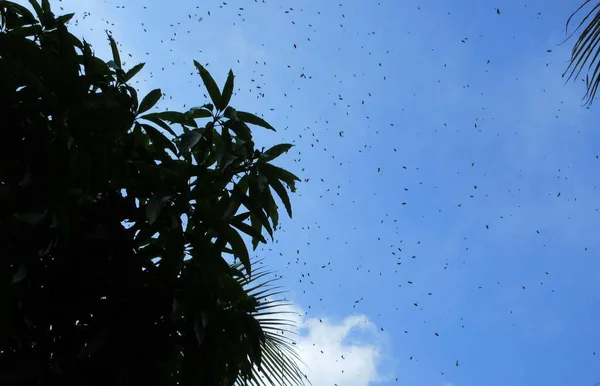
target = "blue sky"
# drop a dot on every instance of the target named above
(452, 175)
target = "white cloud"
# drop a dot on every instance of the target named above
(346, 352)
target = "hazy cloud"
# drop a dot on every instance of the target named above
(344, 352)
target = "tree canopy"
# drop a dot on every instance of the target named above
(123, 231)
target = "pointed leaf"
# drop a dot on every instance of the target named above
(115, 50)
(200, 112)
(173, 117)
(276, 151)
(239, 248)
(239, 128)
(76, 42)
(25, 13)
(209, 82)
(258, 218)
(37, 8)
(253, 119)
(159, 122)
(230, 113)
(188, 141)
(282, 193)
(268, 203)
(284, 175)
(249, 230)
(159, 139)
(46, 6)
(134, 96)
(227, 92)
(150, 100)
(133, 71)
(65, 18)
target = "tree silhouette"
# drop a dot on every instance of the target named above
(122, 243)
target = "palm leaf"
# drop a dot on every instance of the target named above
(280, 359)
(586, 50)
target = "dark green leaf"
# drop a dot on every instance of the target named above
(159, 122)
(94, 66)
(115, 50)
(209, 82)
(253, 202)
(173, 117)
(32, 30)
(177, 310)
(46, 6)
(256, 224)
(239, 248)
(20, 274)
(200, 112)
(240, 217)
(276, 151)
(65, 18)
(33, 218)
(69, 63)
(113, 65)
(189, 140)
(257, 213)
(247, 229)
(134, 97)
(133, 71)
(159, 138)
(37, 9)
(150, 100)
(227, 92)
(253, 119)
(270, 207)
(199, 329)
(233, 204)
(282, 193)
(28, 16)
(155, 205)
(230, 113)
(239, 128)
(282, 174)
(76, 42)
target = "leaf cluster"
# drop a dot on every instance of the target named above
(122, 231)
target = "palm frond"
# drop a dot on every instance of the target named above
(280, 359)
(586, 48)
